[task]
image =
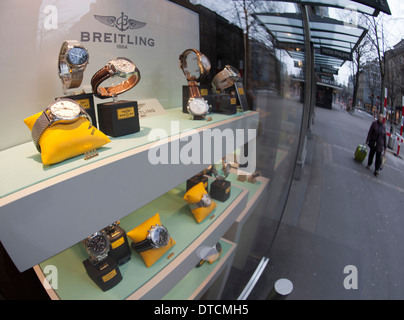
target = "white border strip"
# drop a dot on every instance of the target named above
(254, 279)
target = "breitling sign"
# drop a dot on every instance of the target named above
(123, 39)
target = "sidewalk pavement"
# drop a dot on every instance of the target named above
(342, 226)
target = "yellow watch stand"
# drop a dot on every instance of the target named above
(140, 233)
(193, 196)
(62, 141)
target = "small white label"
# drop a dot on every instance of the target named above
(150, 108)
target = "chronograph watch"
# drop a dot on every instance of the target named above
(73, 60)
(97, 246)
(61, 111)
(119, 67)
(157, 237)
(100, 267)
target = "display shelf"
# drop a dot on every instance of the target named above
(256, 192)
(47, 209)
(198, 280)
(140, 282)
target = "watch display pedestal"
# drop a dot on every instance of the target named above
(86, 101)
(105, 274)
(119, 247)
(118, 118)
(224, 103)
(220, 190)
(197, 179)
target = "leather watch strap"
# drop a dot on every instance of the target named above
(107, 92)
(142, 245)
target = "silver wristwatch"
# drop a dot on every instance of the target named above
(157, 237)
(61, 111)
(223, 172)
(97, 246)
(226, 78)
(73, 60)
(205, 202)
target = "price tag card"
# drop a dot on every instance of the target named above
(150, 108)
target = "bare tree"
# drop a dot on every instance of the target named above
(377, 37)
(360, 54)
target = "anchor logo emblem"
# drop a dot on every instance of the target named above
(122, 23)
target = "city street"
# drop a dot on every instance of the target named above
(339, 214)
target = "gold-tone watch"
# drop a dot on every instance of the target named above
(195, 66)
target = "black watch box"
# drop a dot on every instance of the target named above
(220, 189)
(105, 273)
(198, 179)
(119, 118)
(119, 247)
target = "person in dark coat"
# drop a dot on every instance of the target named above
(376, 140)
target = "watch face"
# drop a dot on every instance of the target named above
(206, 200)
(159, 236)
(65, 109)
(77, 56)
(205, 62)
(98, 244)
(233, 71)
(124, 65)
(198, 106)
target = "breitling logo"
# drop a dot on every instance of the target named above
(122, 39)
(122, 23)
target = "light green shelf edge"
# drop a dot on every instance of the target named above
(73, 281)
(21, 166)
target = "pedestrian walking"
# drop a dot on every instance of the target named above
(376, 140)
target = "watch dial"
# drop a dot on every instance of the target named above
(159, 236)
(124, 65)
(65, 109)
(98, 244)
(205, 62)
(198, 106)
(77, 56)
(207, 200)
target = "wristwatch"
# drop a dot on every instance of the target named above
(205, 202)
(158, 237)
(73, 60)
(203, 65)
(197, 106)
(97, 246)
(223, 172)
(226, 78)
(119, 67)
(61, 111)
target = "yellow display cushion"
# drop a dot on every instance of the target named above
(194, 195)
(140, 233)
(62, 141)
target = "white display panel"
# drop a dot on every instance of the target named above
(33, 32)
